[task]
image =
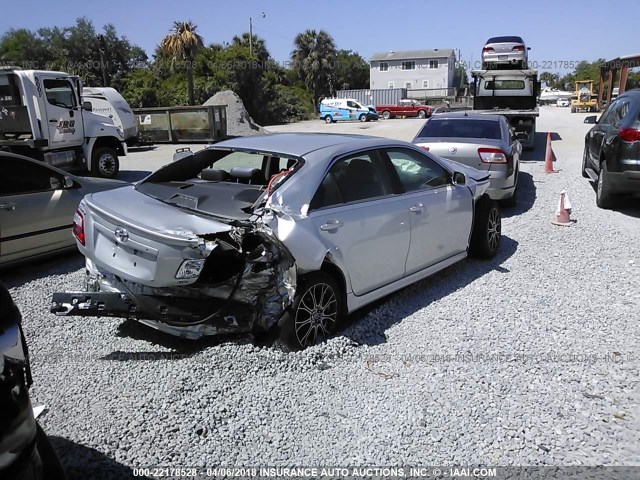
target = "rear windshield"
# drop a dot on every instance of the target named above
(461, 128)
(504, 85)
(505, 40)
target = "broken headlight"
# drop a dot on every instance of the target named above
(190, 269)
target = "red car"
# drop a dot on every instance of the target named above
(404, 108)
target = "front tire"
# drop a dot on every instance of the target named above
(315, 313)
(363, 117)
(328, 119)
(487, 229)
(604, 196)
(422, 114)
(105, 163)
(386, 115)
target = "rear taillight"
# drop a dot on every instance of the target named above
(630, 134)
(518, 48)
(487, 49)
(426, 149)
(492, 155)
(78, 226)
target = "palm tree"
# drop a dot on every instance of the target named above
(259, 48)
(183, 43)
(313, 60)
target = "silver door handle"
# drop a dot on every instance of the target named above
(331, 225)
(8, 206)
(417, 208)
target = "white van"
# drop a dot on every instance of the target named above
(338, 109)
(108, 102)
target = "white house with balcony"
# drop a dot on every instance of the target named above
(429, 71)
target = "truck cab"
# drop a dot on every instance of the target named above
(512, 93)
(42, 116)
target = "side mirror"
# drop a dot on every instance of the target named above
(68, 182)
(87, 106)
(591, 119)
(459, 178)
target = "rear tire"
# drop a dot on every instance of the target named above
(386, 115)
(487, 229)
(604, 196)
(328, 119)
(105, 163)
(316, 311)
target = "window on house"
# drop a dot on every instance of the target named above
(384, 67)
(392, 85)
(409, 65)
(433, 63)
(408, 85)
(425, 83)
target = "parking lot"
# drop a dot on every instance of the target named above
(528, 359)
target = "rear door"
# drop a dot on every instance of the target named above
(441, 213)
(64, 117)
(356, 211)
(36, 213)
(596, 136)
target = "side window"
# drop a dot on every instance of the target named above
(354, 178)
(417, 171)
(21, 176)
(620, 112)
(60, 93)
(607, 114)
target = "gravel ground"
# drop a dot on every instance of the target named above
(529, 359)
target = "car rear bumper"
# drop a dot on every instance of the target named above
(625, 182)
(503, 58)
(500, 186)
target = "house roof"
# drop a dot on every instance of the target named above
(412, 54)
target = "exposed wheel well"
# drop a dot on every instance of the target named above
(332, 269)
(111, 142)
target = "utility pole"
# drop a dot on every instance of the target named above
(263, 15)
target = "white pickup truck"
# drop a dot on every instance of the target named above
(42, 116)
(512, 93)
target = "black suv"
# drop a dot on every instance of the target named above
(25, 451)
(612, 149)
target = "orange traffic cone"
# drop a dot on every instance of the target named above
(563, 211)
(548, 159)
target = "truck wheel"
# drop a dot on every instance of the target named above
(604, 196)
(386, 114)
(104, 162)
(363, 117)
(316, 310)
(487, 228)
(422, 114)
(328, 119)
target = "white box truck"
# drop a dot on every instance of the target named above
(42, 116)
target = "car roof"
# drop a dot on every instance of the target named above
(466, 116)
(301, 144)
(506, 39)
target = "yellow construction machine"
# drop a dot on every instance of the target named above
(583, 97)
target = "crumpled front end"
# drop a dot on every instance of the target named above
(235, 279)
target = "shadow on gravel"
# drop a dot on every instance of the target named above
(627, 205)
(539, 150)
(81, 462)
(132, 175)
(180, 347)
(27, 272)
(526, 196)
(371, 331)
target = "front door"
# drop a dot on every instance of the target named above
(440, 212)
(64, 116)
(356, 212)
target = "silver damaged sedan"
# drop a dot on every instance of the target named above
(278, 235)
